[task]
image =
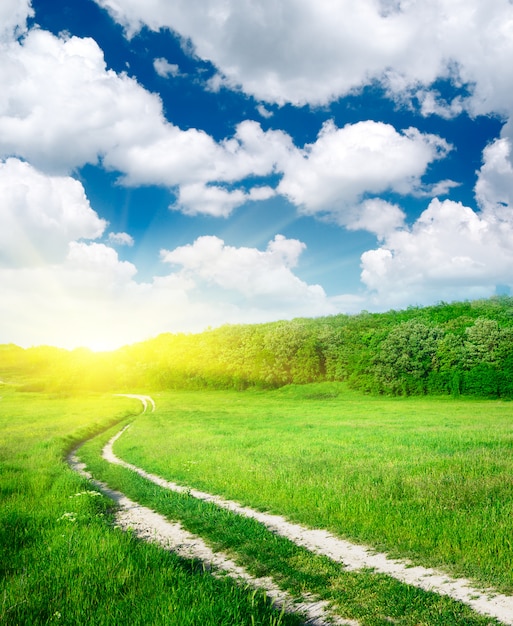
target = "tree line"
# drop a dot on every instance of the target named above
(449, 348)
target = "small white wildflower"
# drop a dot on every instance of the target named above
(89, 492)
(68, 517)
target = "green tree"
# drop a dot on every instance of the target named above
(407, 356)
(482, 340)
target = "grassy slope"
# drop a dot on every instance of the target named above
(426, 478)
(61, 561)
(371, 599)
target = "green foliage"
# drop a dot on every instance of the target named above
(456, 348)
(406, 357)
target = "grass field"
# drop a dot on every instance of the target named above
(425, 478)
(61, 560)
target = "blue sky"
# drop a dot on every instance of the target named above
(165, 167)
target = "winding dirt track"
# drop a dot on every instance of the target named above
(151, 526)
(351, 556)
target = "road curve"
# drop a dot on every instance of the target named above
(351, 556)
(151, 526)
(146, 400)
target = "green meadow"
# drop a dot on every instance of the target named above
(390, 430)
(61, 559)
(425, 478)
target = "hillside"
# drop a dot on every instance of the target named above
(457, 348)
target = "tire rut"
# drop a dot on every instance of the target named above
(148, 525)
(352, 556)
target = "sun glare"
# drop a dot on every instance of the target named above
(101, 339)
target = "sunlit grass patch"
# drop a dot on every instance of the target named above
(61, 559)
(425, 478)
(370, 598)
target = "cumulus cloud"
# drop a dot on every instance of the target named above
(253, 151)
(13, 17)
(176, 157)
(121, 239)
(431, 103)
(165, 69)
(315, 51)
(40, 215)
(265, 276)
(481, 44)
(93, 115)
(96, 265)
(208, 200)
(494, 187)
(88, 112)
(332, 175)
(280, 52)
(377, 216)
(264, 112)
(450, 252)
(197, 198)
(92, 297)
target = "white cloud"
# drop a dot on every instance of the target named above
(96, 265)
(263, 276)
(197, 198)
(92, 298)
(110, 118)
(194, 161)
(314, 51)
(289, 51)
(264, 112)
(481, 42)
(171, 157)
(261, 193)
(208, 200)
(13, 17)
(253, 151)
(440, 188)
(121, 239)
(431, 103)
(450, 252)
(331, 175)
(165, 69)
(377, 216)
(88, 112)
(93, 114)
(40, 215)
(494, 187)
